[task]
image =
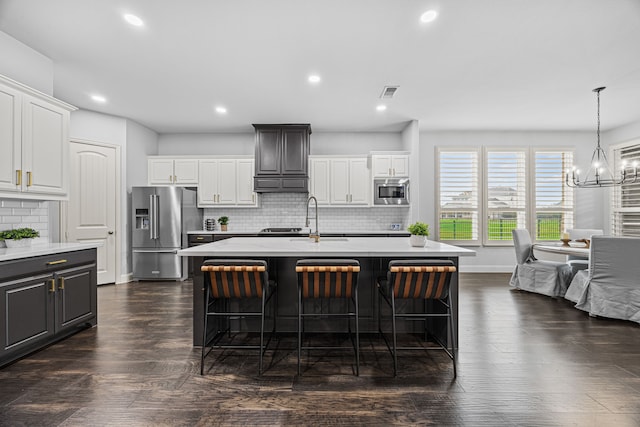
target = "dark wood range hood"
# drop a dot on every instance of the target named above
(282, 158)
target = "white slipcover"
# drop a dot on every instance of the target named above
(578, 262)
(543, 277)
(611, 286)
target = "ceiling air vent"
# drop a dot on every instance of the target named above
(388, 92)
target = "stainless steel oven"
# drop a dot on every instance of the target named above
(391, 191)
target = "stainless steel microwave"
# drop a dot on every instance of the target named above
(391, 191)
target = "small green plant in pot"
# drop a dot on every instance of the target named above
(223, 221)
(419, 232)
(18, 237)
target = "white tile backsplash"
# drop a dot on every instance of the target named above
(289, 210)
(20, 213)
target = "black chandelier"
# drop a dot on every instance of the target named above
(599, 173)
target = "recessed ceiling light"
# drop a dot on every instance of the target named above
(381, 107)
(314, 78)
(99, 98)
(221, 110)
(428, 16)
(133, 20)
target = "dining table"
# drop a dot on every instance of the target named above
(576, 249)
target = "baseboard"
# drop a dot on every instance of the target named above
(486, 268)
(125, 278)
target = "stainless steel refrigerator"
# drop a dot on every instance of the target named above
(161, 217)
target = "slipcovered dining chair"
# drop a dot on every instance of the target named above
(427, 280)
(575, 261)
(232, 283)
(533, 275)
(328, 279)
(611, 285)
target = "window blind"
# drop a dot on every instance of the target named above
(554, 203)
(458, 195)
(506, 190)
(626, 198)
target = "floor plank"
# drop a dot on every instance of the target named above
(524, 359)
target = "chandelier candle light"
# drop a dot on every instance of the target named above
(599, 173)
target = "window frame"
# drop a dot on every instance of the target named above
(616, 193)
(485, 184)
(483, 210)
(478, 210)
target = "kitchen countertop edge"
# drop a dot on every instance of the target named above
(302, 233)
(41, 249)
(300, 247)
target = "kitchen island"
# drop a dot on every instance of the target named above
(282, 253)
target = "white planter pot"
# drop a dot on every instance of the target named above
(22, 243)
(419, 241)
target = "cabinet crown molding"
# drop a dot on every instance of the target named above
(33, 92)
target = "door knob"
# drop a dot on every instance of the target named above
(110, 232)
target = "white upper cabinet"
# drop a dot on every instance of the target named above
(34, 143)
(10, 139)
(319, 179)
(167, 171)
(340, 181)
(245, 170)
(388, 165)
(226, 182)
(359, 182)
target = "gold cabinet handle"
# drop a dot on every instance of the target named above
(61, 286)
(170, 178)
(60, 261)
(199, 238)
(19, 177)
(29, 179)
(52, 285)
(175, 178)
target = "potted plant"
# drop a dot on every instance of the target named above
(18, 237)
(419, 232)
(223, 221)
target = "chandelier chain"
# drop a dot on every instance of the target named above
(598, 132)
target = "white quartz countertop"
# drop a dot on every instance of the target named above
(38, 249)
(304, 232)
(297, 246)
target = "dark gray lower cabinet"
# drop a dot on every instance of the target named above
(44, 299)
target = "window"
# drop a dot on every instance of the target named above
(626, 198)
(553, 199)
(458, 195)
(510, 188)
(506, 190)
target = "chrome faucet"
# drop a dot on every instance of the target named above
(315, 235)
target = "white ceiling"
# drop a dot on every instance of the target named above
(482, 65)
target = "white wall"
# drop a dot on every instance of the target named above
(141, 142)
(411, 143)
(589, 202)
(137, 143)
(322, 143)
(206, 144)
(25, 65)
(351, 143)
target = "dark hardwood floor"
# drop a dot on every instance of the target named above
(524, 359)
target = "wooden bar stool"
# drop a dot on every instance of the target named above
(328, 278)
(420, 279)
(241, 280)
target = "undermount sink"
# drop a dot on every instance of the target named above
(322, 239)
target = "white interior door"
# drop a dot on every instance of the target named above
(91, 210)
